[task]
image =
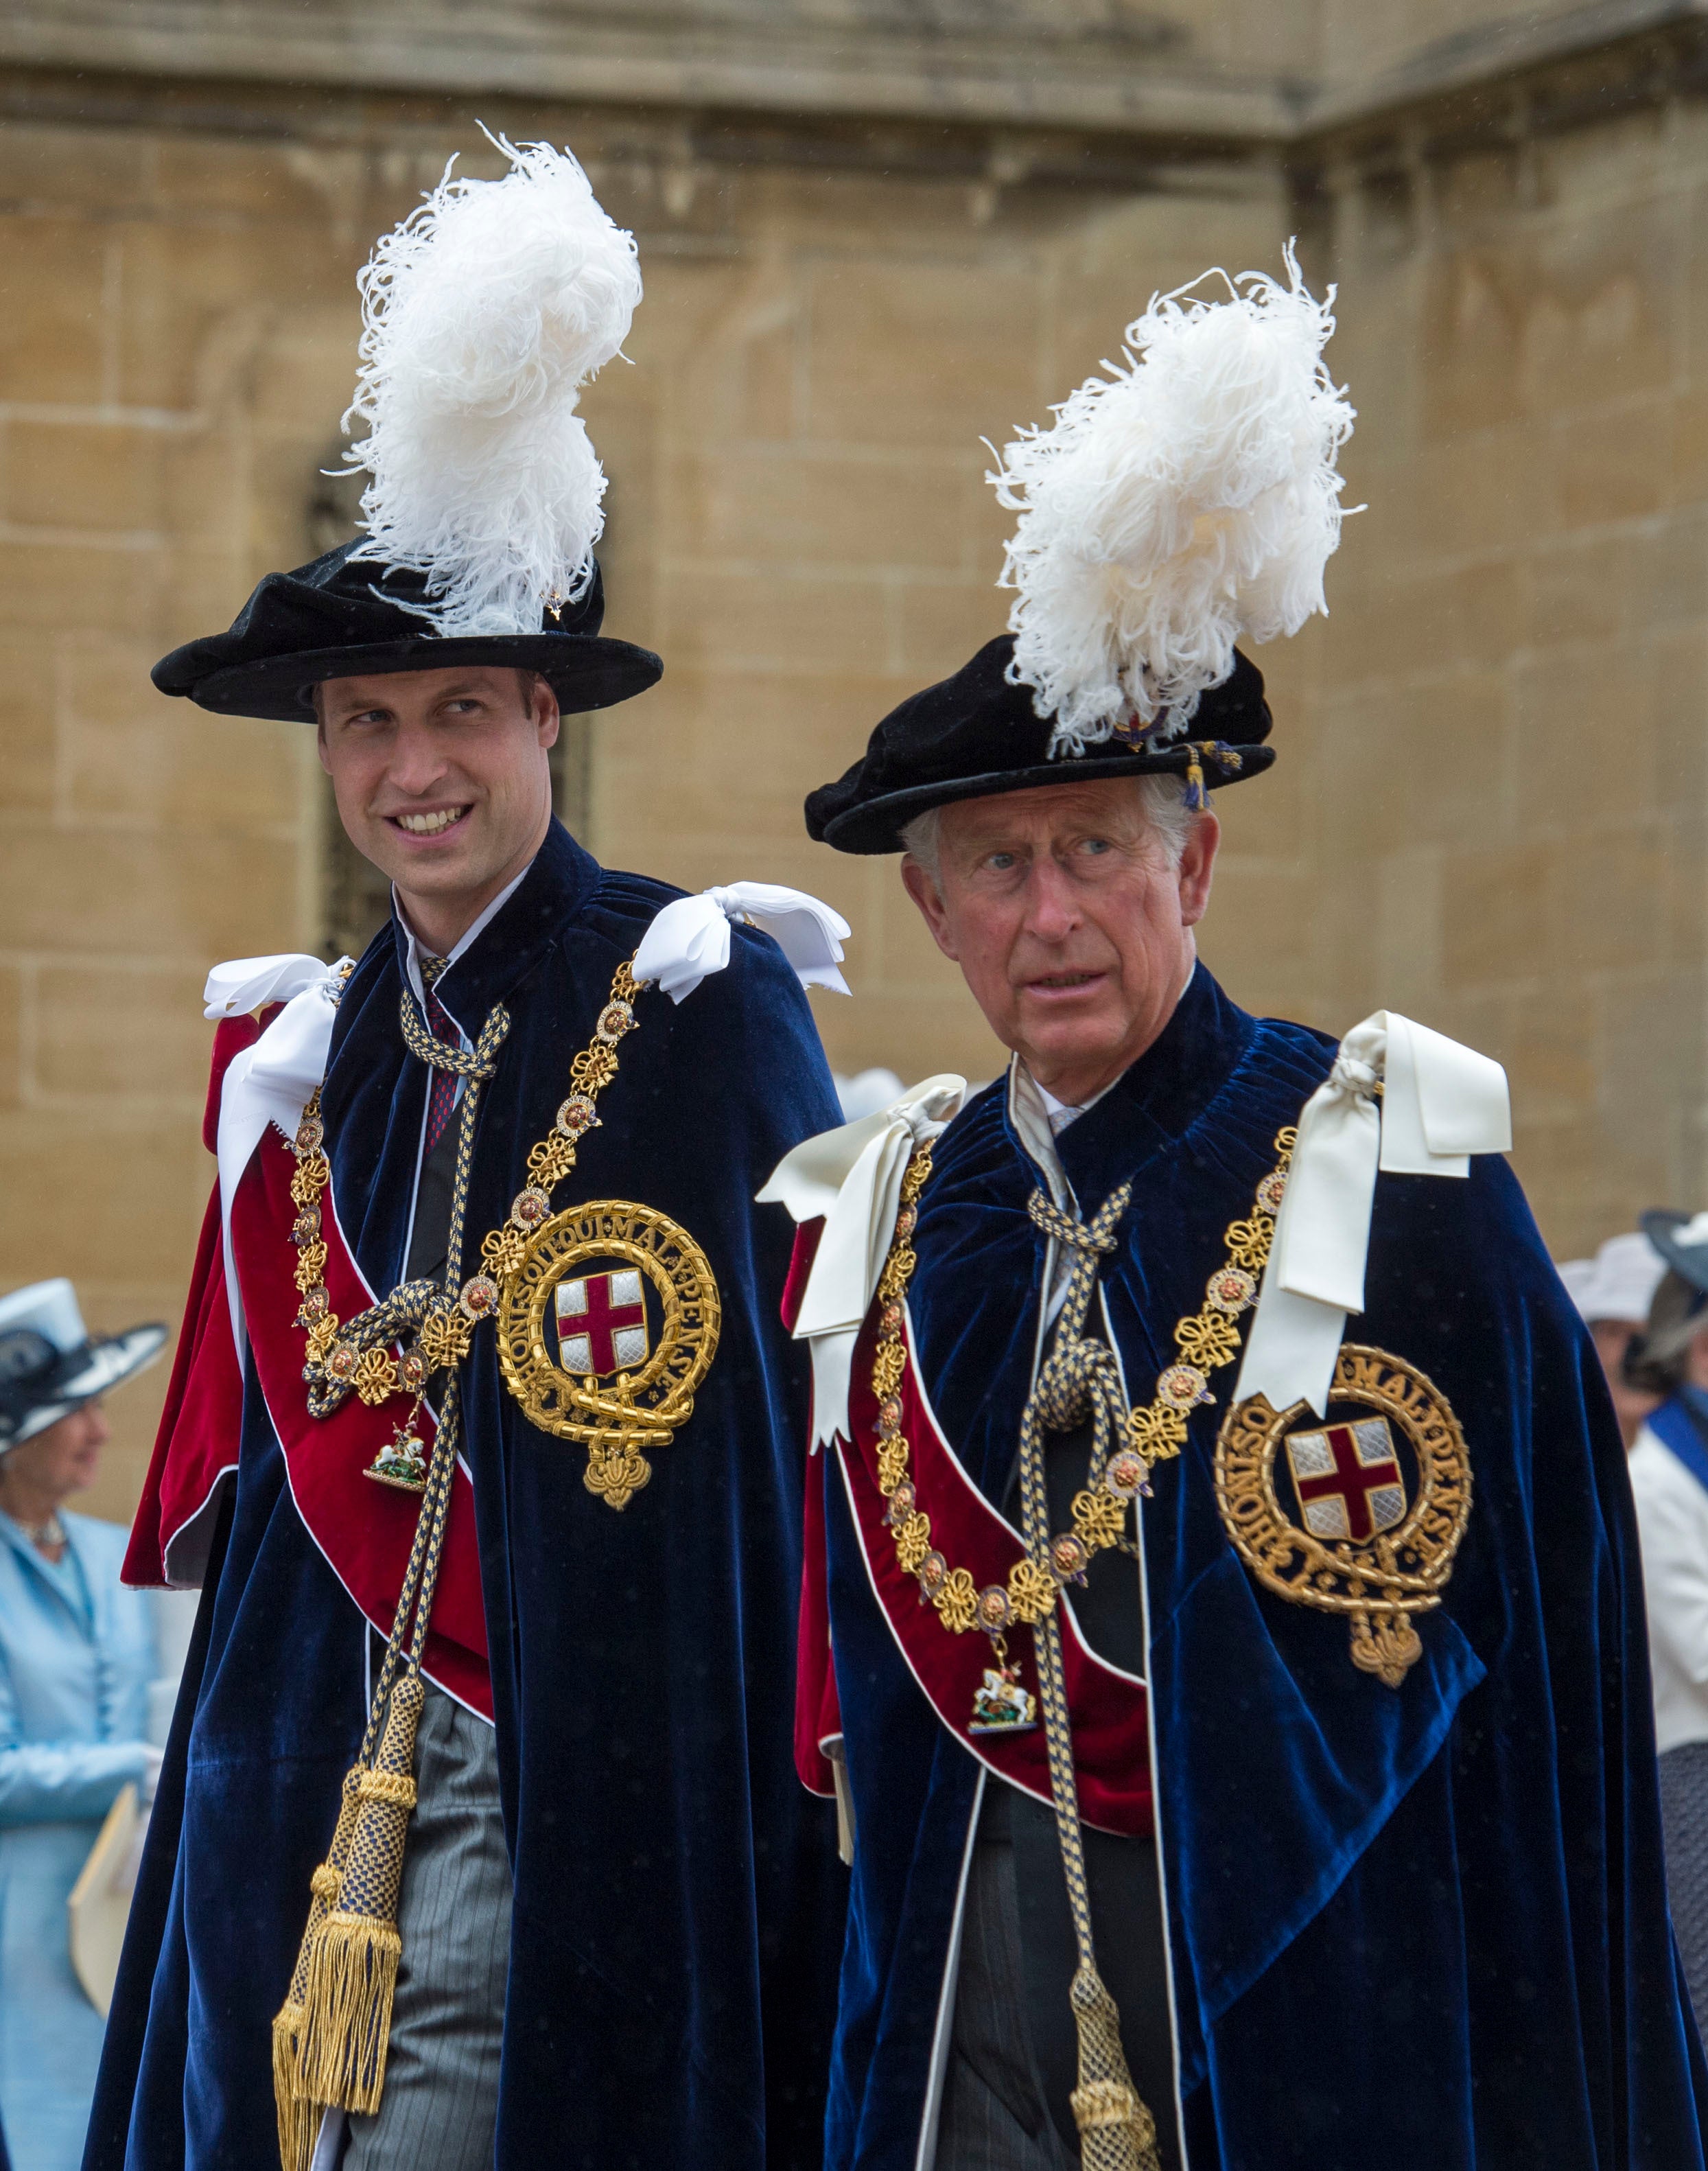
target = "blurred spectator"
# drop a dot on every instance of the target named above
(77, 1655)
(1669, 1481)
(1613, 1292)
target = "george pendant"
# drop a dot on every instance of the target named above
(404, 1464)
(1000, 1705)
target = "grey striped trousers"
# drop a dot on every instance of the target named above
(440, 2100)
(993, 2115)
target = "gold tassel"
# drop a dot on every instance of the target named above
(1116, 2131)
(348, 2021)
(353, 1960)
(295, 2121)
(299, 2119)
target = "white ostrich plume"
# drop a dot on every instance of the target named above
(1183, 500)
(484, 314)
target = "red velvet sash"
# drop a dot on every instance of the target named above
(365, 1529)
(195, 1444)
(1106, 1707)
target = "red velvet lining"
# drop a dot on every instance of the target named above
(196, 1440)
(801, 1261)
(817, 1710)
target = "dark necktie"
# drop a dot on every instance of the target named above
(443, 1096)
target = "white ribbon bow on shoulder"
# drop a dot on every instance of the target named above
(1440, 1103)
(853, 1176)
(690, 938)
(268, 1081)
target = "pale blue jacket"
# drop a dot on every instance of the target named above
(77, 1655)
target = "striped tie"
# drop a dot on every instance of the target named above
(442, 1098)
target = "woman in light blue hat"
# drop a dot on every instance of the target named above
(77, 1655)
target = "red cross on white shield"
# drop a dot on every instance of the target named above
(602, 1324)
(1348, 1479)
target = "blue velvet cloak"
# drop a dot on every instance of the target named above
(1427, 1928)
(678, 1905)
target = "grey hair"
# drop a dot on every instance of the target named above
(1164, 798)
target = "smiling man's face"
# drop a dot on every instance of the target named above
(1073, 929)
(442, 782)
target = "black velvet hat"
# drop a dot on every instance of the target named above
(977, 734)
(343, 616)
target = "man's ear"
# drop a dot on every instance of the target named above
(1198, 866)
(921, 885)
(547, 715)
(320, 738)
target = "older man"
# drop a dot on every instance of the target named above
(476, 1843)
(1242, 1717)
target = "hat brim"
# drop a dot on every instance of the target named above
(585, 671)
(104, 1364)
(1689, 1260)
(876, 826)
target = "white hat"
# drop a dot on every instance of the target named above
(1578, 1276)
(49, 1364)
(1618, 1283)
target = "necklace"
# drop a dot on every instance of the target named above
(1115, 1479)
(47, 1535)
(436, 1322)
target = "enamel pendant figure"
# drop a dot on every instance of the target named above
(1000, 1705)
(404, 1463)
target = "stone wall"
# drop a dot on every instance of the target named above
(1498, 824)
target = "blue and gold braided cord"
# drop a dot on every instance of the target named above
(1080, 1378)
(331, 2036)
(420, 1577)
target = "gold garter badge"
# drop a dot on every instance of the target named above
(606, 1327)
(1367, 1543)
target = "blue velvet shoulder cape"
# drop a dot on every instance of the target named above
(679, 1904)
(1424, 1927)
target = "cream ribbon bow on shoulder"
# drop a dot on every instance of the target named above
(690, 937)
(268, 1082)
(853, 1176)
(1440, 1103)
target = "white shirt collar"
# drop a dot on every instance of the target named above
(1029, 1111)
(415, 949)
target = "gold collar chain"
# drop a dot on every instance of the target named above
(337, 1361)
(1203, 1343)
